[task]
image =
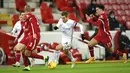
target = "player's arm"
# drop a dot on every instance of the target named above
(97, 23)
(81, 30)
(58, 25)
(34, 25)
(14, 29)
(20, 33)
(80, 27)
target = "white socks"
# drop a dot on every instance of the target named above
(57, 55)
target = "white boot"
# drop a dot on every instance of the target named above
(56, 61)
(73, 63)
(32, 62)
(57, 55)
(17, 64)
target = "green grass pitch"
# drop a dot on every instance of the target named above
(96, 67)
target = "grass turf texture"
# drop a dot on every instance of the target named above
(96, 67)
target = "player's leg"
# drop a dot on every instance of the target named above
(117, 52)
(35, 55)
(32, 61)
(38, 50)
(92, 43)
(57, 53)
(28, 52)
(26, 62)
(108, 45)
(32, 47)
(69, 54)
(17, 50)
(66, 47)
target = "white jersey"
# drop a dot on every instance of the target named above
(16, 30)
(67, 30)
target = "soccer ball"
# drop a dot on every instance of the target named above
(52, 65)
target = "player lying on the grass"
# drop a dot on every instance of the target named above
(66, 25)
(103, 35)
(28, 45)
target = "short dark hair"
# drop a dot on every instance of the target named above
(64, 13)
(101, 6)
(93, 0)
(111, 12)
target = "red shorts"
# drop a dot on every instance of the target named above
(23, 41)
(105, 40)
(30, 43)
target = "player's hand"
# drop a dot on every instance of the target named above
(55, 27)
(9, 33)
(91, 15)
(82, 36)
(34, 36)
(88, 18)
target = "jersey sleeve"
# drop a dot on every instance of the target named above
(80, 26)
(20, 33)
(59, 23)
(16, 29)
(34, 25)
(98, 22)
(13, 30)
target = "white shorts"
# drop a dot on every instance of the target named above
(66, 45)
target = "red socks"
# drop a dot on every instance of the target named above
(36, 56)
(26, 60)
(18, 55)
(91, 50)
(118, 53)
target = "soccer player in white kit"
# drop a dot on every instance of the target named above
(66, 26)
(16, 30)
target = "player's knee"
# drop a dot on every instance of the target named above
(58, 48)
(26, 53)
(66, 51)
(90, 45)
(34, 51)
(111, 50)
(17, 49)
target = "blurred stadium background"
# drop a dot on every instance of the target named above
(48, 13)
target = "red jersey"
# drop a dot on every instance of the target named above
(25, 29)
(30, 26)
(34, 25)
(102, 24)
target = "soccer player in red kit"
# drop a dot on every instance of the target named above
(31, 30)
(103, 35)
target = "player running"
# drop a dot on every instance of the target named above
(103, 35)
(66, 25)
(31, 30)
(15, 32)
